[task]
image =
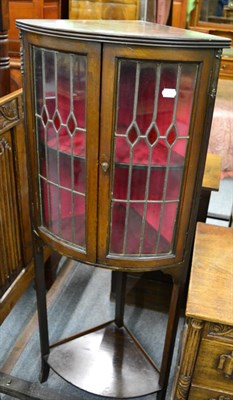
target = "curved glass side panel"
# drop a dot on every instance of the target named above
(60, 106)
(152, 118)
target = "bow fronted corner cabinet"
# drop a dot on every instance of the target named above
(118, 115)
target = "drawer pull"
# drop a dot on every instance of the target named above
(226, 364)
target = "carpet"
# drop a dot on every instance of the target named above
(83, 300)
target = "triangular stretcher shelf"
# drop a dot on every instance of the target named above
(107, 362)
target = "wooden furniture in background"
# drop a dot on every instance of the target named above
(228, 11)
(120, 112)
(155, 11)
(226, 67)
(205, 369)
(212, 174)
(215, 28)
(16, 268)
(84, 9)
(40, 9)
(26, 9)
(210, 182)
(198, 23)
(4, 57)
(179, 13)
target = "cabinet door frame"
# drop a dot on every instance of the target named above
(93, 53)
(196, 150)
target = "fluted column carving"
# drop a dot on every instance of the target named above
(189, 357)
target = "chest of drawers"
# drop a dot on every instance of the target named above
(226, 68)
(206, 366)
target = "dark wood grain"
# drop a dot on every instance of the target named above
(133, 32)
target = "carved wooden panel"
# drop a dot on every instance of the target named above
(188, 358)
(205, 363)
(219, 331)
(10, 248)
(16, 270)
(9, 114)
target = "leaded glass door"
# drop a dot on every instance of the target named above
(66, 124)
(150, 140)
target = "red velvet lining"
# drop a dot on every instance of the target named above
(139, 152)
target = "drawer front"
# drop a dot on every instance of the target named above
(197, 393)
(214, 366)
(226, 69)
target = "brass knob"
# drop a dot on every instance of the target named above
(105, 166)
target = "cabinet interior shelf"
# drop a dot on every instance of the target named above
(177, 165)
(158, 161)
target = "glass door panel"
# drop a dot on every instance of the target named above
(60, 93)
(153, 110)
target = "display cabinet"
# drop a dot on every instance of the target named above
(118, 115)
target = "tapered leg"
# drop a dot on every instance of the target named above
(121, 279)
(173, 319)
(42, 312)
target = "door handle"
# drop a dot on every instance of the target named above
(226, 364)
(105, 166)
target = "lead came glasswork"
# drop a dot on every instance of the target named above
(60, 93)
(153, 110)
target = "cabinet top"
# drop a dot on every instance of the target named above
(210, 295)
(124, 32)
